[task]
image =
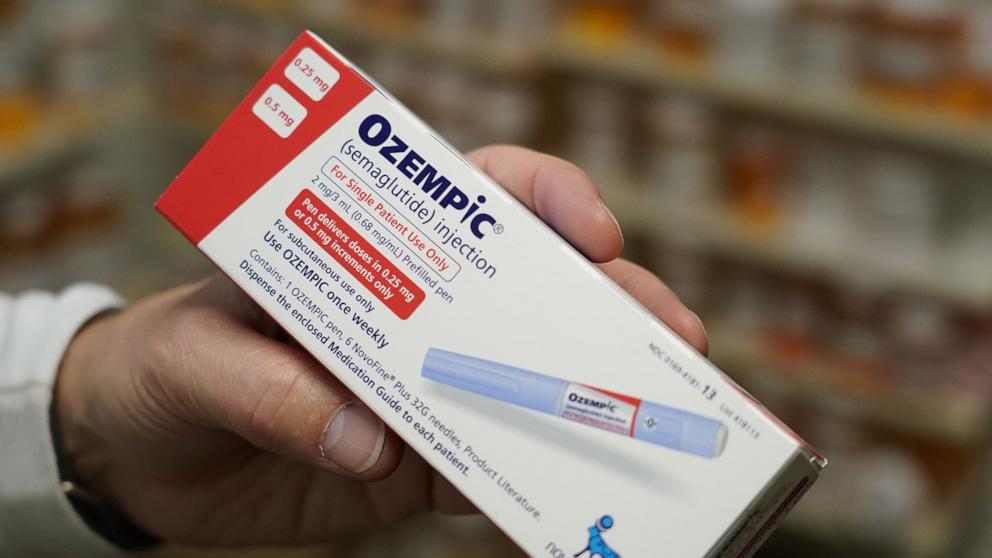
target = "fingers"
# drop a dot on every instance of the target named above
(278, 398)
(222, 295)
(559, 193)
(358, 442)
(659, 300)
(447, 499)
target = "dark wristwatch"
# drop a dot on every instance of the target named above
(98, 515)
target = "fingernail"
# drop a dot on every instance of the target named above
(606, 210)
(701, 326)
(353, 440)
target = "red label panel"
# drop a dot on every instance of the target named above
(349, 249)
(245, 153)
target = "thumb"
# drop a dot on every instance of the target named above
(280, 399)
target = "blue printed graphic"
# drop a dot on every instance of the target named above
(597, 547)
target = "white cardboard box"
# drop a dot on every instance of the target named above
(423, 286)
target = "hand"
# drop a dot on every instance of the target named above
(191, 415)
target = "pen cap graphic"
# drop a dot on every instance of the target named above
(649, 422)
(681, 430)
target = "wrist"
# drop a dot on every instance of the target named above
(84, 457)
(76, 410)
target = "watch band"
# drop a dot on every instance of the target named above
(98, 515)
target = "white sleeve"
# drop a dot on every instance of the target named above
(36, 519)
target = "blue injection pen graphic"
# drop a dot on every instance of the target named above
(628, 416)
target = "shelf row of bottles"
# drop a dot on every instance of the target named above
(935, 55)
(60, 66)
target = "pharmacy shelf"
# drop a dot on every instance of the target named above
(930, 535)
(65, 133)
(409, 37)
(637, 62)
(39, 156)
(478, 51)
(716, 231)
(961, 420)
(976, 539)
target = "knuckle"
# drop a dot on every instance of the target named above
(168, 340)
(263, 411)
(275, 395)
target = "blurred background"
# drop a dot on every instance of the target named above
(813, 176)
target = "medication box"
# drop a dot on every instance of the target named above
(568, 414)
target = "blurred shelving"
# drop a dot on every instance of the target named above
(716, 230)
(66, 131)
(636, 61)
(960, 419)
(928, 534)
(41, 155)
(402, 34)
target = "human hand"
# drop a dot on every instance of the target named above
(193, 415)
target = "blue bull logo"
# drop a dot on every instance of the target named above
(597, 547)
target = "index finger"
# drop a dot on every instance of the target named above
(560, 193)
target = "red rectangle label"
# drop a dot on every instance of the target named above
(244, 153)
(366, 264)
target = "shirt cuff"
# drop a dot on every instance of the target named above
(36, 518)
